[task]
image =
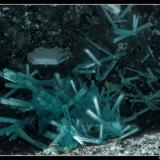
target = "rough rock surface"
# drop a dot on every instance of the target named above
(147, 144)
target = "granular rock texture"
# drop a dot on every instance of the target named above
(147, 144)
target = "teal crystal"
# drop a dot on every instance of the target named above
(86, 105)
(77, 110)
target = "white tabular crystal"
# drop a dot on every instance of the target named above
(44, 56)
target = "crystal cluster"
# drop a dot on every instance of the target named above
(83, 110)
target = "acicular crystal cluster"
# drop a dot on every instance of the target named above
(78, 111)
